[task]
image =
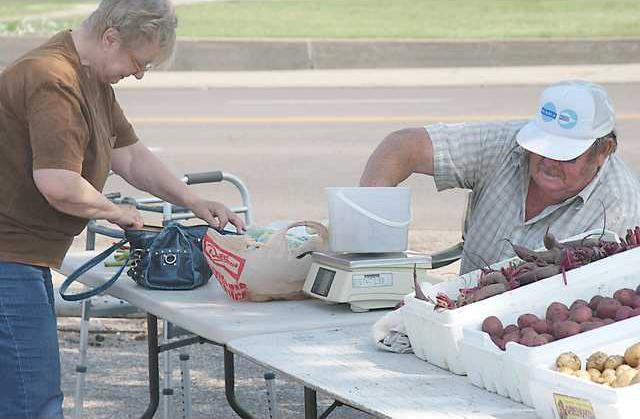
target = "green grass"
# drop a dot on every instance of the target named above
(18, 9)
(352, 19)
(411, 18)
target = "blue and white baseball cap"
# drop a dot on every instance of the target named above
(571, 115)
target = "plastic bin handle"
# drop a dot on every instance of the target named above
(369, 214)
(203, 177)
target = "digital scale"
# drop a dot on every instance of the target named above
(365, 281)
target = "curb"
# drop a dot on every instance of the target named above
(299, 54)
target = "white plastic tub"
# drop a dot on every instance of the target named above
(508, 373)
(369, 220)
(435, 335)
(549, 387)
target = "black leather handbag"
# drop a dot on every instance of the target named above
(162, 258)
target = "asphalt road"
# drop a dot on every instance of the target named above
(288, 144)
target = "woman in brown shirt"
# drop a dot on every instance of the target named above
(61, 130)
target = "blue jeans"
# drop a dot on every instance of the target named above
(29, 358)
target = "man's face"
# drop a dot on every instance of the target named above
(560, 180)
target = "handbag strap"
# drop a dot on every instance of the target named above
(86, 267)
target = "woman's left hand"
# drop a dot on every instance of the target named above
(217, 214)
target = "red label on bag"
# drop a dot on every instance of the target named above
(228, 261)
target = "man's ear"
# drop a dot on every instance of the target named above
(111, 39)
(607, 149)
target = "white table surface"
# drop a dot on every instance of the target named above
(208, 312)
(344, 363)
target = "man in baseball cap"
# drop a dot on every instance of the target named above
(571, 116)
(557, 171)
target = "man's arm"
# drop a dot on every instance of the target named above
(70, 193)
(399, 155)
(142, 169)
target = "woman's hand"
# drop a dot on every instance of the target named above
(127, 217)
(217, 214)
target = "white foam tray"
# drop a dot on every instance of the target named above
(435, 335)
(591, 398)
(508, 372)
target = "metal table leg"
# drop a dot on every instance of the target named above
(154, 374)
(310, 404)
(230, 384)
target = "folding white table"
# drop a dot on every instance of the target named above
(212, 317)
(344, 363)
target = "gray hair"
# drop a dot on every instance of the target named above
(138, 20)
(601, 145)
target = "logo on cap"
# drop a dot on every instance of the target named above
(567, 118)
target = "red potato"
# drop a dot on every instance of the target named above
(557, 312)
(527, 320)
(608, 321)
(625, 296)
(500, 343)
(607, 308)
(540, 340)
(623, 312)
(636, 302)
(511, 328)
(529, 339)
(581, 314)
(578, 303)
(549, 337)
(566, 328)
(593, 304)
(636, 312)
(528, 331)
(540, 326)
(493, 326)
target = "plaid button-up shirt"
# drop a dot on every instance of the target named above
(485, 158)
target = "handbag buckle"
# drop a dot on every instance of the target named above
(169, 258)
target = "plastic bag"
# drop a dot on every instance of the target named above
(262, 265)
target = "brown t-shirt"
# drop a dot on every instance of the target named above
(54, 114)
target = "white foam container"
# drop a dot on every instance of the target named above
(603, 401)
(369, 220)
(508, 372)
(435, 335)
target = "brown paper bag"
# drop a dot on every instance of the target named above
(268, 272)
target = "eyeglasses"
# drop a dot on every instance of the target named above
(139, 68)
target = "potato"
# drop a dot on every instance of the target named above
(563, 329)
(581, 314)
(527, 320)
(609, 376)
(511, 328)
(595, 374)
(625, 378)
(528, 331)
(582, 374)
(557, 312)
(593, 303)
(635, 380)
(625, 296)
(623, 312)
(569, 360)
(529, 339)
(540, 327)
(499, 342)
(548, 337)
(613, 362)
(511, 337)
(597, 360)
(636, 302)
(635, 312)
(622, 368)
(493, 326)
(608, 321)
(632, 355)
(607, 308)
(578, 303)
(566, 370)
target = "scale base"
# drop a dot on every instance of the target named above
(364, 306)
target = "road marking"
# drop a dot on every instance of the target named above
(331, 101)
(204, 120)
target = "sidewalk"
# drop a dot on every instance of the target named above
(455, 76)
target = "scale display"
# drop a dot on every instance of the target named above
(322, 283)
(372, 280)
